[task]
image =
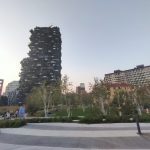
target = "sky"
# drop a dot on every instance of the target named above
(98, 36)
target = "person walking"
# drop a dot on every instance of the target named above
(22, 112)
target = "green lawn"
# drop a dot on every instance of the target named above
(76, 112)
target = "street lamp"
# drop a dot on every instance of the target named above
(136, 111)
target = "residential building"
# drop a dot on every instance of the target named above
(44, 61)
(12, 86)
(11, 92)
(138, 76)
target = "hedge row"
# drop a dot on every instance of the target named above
(89, 120)
(18, 123)
(42, 120)
(12, 123)
(145, 118)
(105, 120)
(114, 119)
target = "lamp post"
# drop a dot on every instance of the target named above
(136, 111)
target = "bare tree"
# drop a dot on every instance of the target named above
(45, 92)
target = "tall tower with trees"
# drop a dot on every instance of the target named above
(43, 63)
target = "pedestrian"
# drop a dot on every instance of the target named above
(22, 111)
(7, 115)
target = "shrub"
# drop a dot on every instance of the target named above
(144, 118)
(91, 120)
(12, 123)
(112, 119)
(39, 113)
(107, 119)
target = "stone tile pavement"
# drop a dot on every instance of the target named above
(71, 136)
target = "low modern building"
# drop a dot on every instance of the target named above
(138, 76)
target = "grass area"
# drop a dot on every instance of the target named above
(77, 112)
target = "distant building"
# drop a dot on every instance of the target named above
(11, 91)
(1, 86)
(80, 89)
(140, 75)
(12, 86)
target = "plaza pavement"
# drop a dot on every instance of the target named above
(73, 136)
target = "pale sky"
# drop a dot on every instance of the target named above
(98, 36)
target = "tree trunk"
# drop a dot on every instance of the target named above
(103, 108)
(68, 112)
(45, 111)
(120, 113)
(83, 108)
(139, 110)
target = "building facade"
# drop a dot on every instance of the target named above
(44, 61)
(138, 76)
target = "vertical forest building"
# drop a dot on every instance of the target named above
(44, 61)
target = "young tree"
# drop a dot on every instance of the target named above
(100, 94)
(135, 99)
(142, 97)
(43, 97)
(84, 100)
(33, 102)
(45, 94)
(66, 88)
(122, 102)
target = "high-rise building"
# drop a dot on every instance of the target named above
(139, 76)
(44, 61)
(1, 86)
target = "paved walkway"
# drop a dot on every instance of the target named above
(72, 136)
